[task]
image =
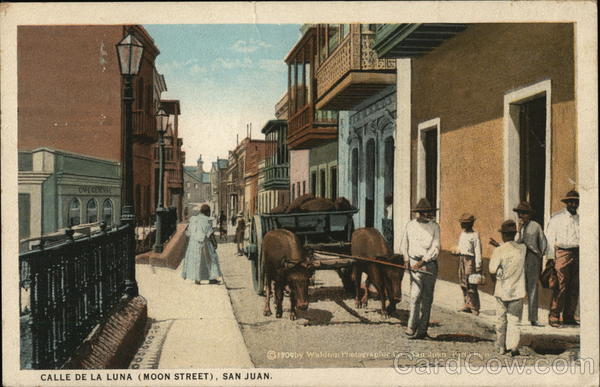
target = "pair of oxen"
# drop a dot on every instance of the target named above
(286, 263)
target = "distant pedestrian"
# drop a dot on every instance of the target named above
(239, 233)
(563, 252)
(201, 261)
(469, 255)
(389, 207)
(421, 244)
(508, 265)
(222, 226)
(530, 233)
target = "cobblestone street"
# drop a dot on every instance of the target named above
(332, 333)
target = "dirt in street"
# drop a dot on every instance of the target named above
(333, 333)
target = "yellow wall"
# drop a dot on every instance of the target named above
(463, 82)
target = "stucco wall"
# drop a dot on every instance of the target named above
(463, 83)
(299, 168)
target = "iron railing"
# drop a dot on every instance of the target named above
(67, 289)
(169, 223)
(145, 234)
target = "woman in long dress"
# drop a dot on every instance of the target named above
(201, 261)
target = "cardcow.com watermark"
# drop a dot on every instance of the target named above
(475, 363)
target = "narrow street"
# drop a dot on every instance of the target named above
(332, 333)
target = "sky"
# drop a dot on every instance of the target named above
(225, 76)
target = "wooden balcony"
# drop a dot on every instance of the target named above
(307, 129)
(352, 73)
(143, 125)
(277, 177)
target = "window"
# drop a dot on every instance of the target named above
(333, 179)
(428, 176)
(196, 185)
(323, 183)
(303, 187)
(345, 30)
(189, 195)
(92, 211)
(333, 33)
(354, 178)
(107, 212)
(313, 183)
(298, 188)
(293, 191)
(74, 212)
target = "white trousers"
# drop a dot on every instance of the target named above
(508, 314)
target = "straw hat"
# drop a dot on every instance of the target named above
(523, 206)
(571, 195)
(423, 206)
(508, 226)
(466, 217)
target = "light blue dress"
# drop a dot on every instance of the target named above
(201, 261)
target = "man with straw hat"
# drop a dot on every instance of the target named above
(563, 252)
(507, 264)
(421, 244)
(530, 233)
(469, 252)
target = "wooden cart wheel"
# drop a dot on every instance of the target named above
(256, 237)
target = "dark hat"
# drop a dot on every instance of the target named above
(466, 217)
(423, 206)
(523, 206)
(508, 226)
(571, 195)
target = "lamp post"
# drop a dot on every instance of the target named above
(162, 121)
(129, 52)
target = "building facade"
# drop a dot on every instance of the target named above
(486, 117)
(276, 181)
(61, 114)
(59, 189)
(355, 82)
(196, 187)
(174, 159)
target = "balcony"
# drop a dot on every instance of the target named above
(309, 127)
(353, 72)
(143, 127)
(412, 40)
(277, 177)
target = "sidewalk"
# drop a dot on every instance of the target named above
(449, 295)
(197, 323)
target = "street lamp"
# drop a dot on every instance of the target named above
(129, 52)
(162, 121)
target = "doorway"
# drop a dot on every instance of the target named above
(532, 151)
(370, 184)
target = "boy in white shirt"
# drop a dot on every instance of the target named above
(508, 263)
(469, 253)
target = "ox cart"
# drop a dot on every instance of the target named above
(327, 232)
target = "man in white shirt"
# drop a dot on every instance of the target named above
(508, 264)
(563, 252)
(421, 244)
(530, 233)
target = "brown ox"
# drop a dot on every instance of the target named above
(368, 242)
(285, 262)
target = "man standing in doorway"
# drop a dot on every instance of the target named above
(563, 252)
(530, 233)
(421, 244)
